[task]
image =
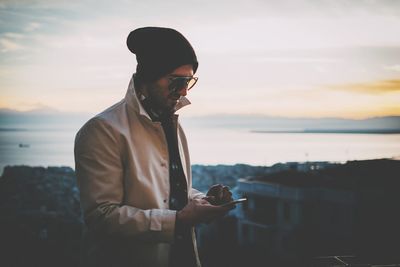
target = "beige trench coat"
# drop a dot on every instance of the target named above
(122, 168)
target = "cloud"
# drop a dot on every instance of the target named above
(10, 42)
(298, 60)
(378, 87)
(13, 35)
(32, 26)
(393, 68)
(7, 45)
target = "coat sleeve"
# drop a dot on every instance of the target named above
(99, 170)
(196, 194)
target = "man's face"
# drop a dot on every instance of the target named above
(159, 94)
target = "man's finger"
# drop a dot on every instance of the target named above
(209, 199)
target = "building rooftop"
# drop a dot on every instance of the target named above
(290, 178)
(353, 176)
(342, 261)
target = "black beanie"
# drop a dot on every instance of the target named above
(159, 51)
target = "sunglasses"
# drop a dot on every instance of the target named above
(177, 83)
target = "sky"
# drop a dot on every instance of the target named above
(305, 58)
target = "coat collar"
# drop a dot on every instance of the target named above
(132, 100)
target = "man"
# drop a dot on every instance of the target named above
(133, 167)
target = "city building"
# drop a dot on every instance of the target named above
(294, 215)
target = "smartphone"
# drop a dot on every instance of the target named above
(235, 201)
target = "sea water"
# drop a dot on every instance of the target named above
(51, 144)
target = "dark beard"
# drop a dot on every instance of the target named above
(155, 103)
(153, 109)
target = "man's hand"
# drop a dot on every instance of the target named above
(200, 211)
(219, 194)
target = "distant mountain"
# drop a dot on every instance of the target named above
(43, 111)
(257, 123)
(267, 123)
(42, 117)
(48, 111)
(7, 111)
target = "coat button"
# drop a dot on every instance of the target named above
(165, 201)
